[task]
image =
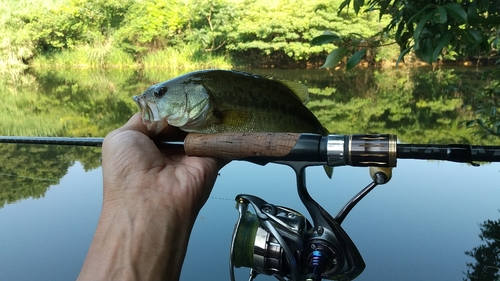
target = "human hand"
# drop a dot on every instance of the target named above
(150, 201)
(134, 167)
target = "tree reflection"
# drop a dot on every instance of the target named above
(28, 171)
(417, 104)
(487, 265)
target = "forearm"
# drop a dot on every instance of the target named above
(137, 243)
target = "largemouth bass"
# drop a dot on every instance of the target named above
(215, 101)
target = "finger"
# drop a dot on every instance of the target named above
(135, 124)
(171, 133)
(130, 132)
(167, 133)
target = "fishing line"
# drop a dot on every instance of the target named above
(25, 177)
(221, 198)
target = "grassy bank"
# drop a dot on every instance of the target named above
(106, 56)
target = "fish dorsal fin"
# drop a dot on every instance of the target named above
(299, 89)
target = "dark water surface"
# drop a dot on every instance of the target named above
(416, 227)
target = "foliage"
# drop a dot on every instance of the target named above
(76, 22)
(487, 256)
(16, 45)
(211, 23)
(91, 31)
(430, 28)
(97, 55)
(255, 32)
(270, 28)
(152, 25)
(190, 58)
(486, 104)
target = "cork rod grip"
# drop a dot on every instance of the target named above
(233, 146)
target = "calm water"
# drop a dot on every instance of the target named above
(416, 227)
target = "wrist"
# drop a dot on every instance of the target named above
(137, 242)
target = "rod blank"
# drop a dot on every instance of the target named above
(53, 141)
(453, 152)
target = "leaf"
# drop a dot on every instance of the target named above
(456, 11)
(472, 10)
(334, 57)
(439, 47)
(421, 25)
(402, 54)
(485, 45)
(417, 15)
(470, 123)
(427, 50)
(343, 5)
(475, 36)
(440, 15)
(357, 5)
(493, 110)
(400, 29)
(355, 59)
(383, 8)
(325, 38)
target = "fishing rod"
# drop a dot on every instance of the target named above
(279, 241)
(53, 141)
(380, 150)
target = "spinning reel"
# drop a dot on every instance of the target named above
(281, 242)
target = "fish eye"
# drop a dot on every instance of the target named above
(161, 92)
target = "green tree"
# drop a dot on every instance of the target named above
(211, 23)
(152, 25)
(72, 23)
(460, 28)
(281, 31)
(16, 45)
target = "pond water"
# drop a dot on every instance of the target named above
(416, 227)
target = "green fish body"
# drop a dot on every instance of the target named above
(215, 101)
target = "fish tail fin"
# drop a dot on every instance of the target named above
(328, 170)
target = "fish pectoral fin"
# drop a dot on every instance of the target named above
(299, 89)
(234, 118)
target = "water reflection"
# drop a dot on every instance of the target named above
(28, 171)
(487, 255)
(418, 105)
(47, 238)
(414, 228)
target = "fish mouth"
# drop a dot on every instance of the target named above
(150, 114)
